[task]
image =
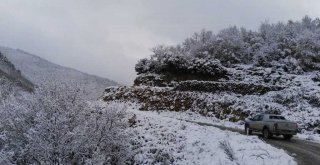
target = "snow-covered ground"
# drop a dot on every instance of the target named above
(191, 116)
(309, 136)
(161, 138)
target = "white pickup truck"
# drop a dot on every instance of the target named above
(269, 124)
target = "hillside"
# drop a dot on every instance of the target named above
(235, 74)
(11, 80)
(43, 73)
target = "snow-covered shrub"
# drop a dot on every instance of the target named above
(150, 79)
(314, 99)
(181, 67)
(145, 66)
(56, 126)
(289, 97)
(178, 65)
(294, 46)
(316, 77)
(10, 88)
(225, 146)
(291, 65)
(6, 88)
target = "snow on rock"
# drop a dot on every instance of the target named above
(164, 140)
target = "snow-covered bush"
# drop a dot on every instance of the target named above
(151, 79)
(10, 88)
(294, 46)
(228, 150)
(56, 126)
(6, 88)
(169, 63)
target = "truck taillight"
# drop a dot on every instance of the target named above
(275, 126)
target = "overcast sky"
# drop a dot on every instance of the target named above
(107, 37)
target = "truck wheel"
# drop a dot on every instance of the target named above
(247, 130)
(266, 133)
(287, 137)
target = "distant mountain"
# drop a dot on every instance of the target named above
(43, 73)
(11, 80)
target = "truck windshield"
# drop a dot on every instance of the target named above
(277, 117)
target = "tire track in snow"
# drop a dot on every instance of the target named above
(305, 152)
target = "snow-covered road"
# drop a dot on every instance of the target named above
(164, 140)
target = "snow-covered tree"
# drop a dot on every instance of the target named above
(56, 126)
(273, 45)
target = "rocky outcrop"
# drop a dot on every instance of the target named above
(155, 98)
(234, 87)
(246, 90)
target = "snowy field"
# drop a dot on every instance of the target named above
(160, 138)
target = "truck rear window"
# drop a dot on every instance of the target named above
(277, 117)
